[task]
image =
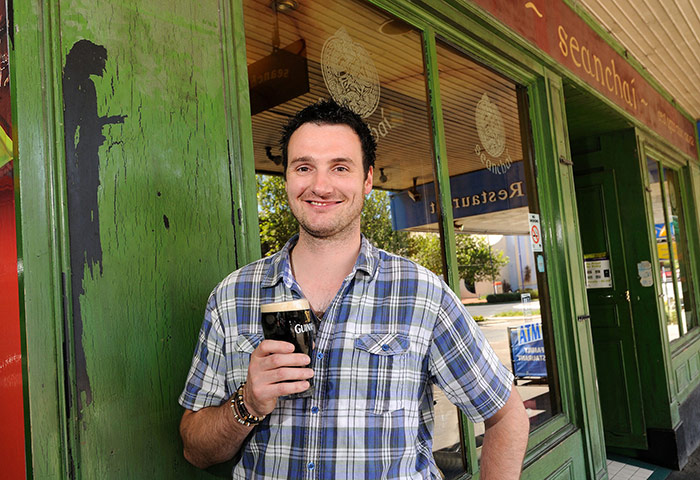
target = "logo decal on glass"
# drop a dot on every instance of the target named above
(492, 133)
(350, 74)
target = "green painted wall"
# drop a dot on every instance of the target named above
(163, 221)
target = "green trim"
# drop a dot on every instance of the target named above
(240, 133)
(684, 171)
(28, 458)
(36, 118)
(681, 359)
(671, 254)
(442, 174)
(559, 221)
(691, 219)
(468, 28)
(57, 202)
(647, 147)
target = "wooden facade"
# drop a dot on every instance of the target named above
(135, 194)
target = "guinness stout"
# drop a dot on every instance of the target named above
(290, 322)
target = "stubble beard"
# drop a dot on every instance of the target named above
(336, 230)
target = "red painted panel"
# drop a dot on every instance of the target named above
(12, 424)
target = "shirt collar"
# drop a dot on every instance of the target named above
(280, 266)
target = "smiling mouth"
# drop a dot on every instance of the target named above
(322, 204)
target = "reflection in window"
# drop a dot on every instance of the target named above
(373, 62)
(484, 143)
(672, 249)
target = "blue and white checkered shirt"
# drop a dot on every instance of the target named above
(393, 329)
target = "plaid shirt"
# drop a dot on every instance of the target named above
(393, 329)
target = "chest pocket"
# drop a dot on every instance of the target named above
(379, 368)
(244, 346)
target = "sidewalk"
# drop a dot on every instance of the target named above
(691, 470)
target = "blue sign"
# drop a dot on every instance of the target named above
(527, 351)
(473, 193)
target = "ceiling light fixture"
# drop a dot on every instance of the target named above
(382, 177)
(413, 192)
(276, 159)
(285, 6)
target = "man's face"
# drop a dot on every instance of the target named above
(326, 184)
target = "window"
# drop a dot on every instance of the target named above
(494, 195)
(672, 249)
(355, 53)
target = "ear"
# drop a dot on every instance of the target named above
(368, 180)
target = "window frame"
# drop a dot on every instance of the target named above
(681, 166)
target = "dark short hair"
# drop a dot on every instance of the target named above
(328, 112)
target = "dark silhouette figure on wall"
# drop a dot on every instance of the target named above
(83, 137)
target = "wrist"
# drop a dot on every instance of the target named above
(241, 412)
(246, 403)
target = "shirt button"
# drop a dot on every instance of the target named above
(385, 347)
(314, 410)
(311, 465)
(319, 355)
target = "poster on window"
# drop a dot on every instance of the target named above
(527, 351)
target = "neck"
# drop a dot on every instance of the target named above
(325, 256)
(320, 266)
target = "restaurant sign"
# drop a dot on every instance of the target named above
(473, 193)
(557, 30)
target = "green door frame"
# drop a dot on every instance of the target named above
(38, 142)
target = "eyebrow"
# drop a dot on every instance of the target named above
(313, 160)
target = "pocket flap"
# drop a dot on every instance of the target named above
(383, 343)
(247, 342)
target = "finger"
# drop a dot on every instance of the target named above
(272, 391)
(268, 347)
(281, 360)
(289, 388)
(285, 375)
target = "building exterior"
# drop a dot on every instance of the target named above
(138, 127)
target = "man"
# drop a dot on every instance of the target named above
(388, 330)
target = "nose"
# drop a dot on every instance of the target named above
(321, 185)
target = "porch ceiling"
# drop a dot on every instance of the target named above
(664, 36)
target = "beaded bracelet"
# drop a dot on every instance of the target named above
(240, 412)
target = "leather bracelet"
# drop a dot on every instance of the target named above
(240, 412)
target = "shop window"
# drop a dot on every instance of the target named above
(494, 197)
(672, 249)
(373, 62)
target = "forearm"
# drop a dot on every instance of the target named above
(505, 441)
(211, 435)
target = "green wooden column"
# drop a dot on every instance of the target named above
(130, 161)
(562, 244)
(34, 119)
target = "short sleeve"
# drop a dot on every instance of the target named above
(206, 380)
(464, 365)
